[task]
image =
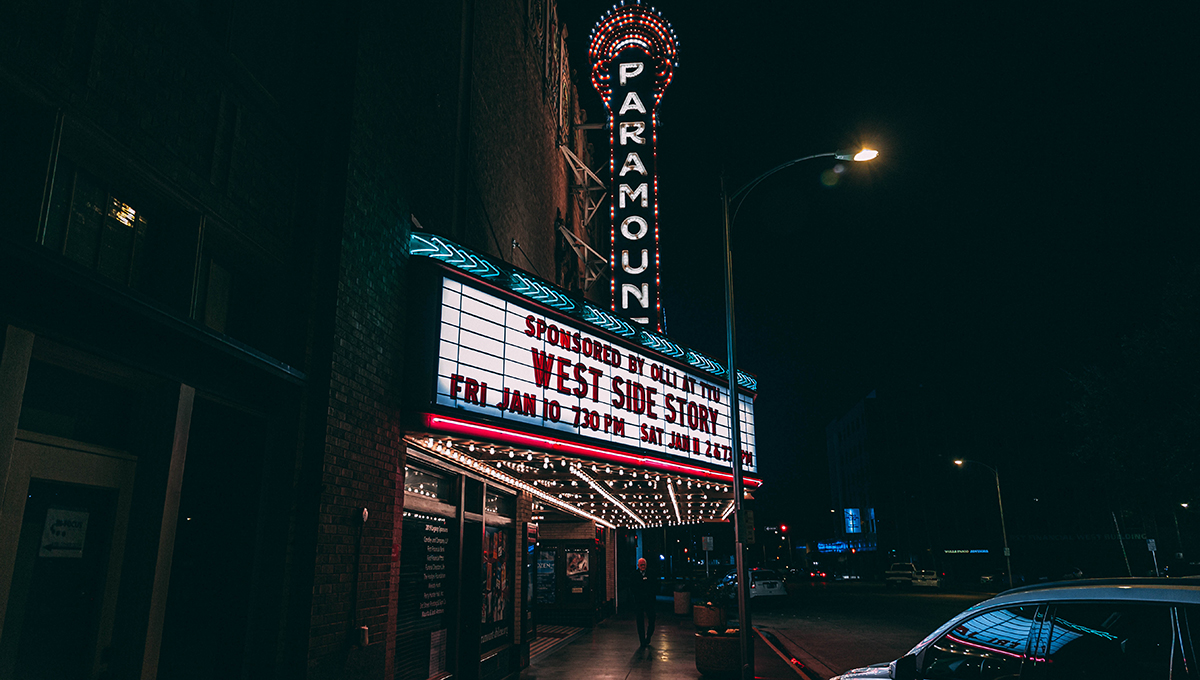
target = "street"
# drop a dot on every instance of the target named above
(833, 627)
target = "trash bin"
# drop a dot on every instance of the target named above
(683, 602)
(719, 654)
(709, 616)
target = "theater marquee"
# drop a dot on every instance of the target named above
(633, 54)
(516, 363)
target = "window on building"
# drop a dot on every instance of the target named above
(248, 294)
(429, 484)
(125, 235)
(65, 403)
(501, 504)
(853, 521)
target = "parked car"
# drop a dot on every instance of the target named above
(928, 578)
(766, 583)
(995, 579)
(905, 574)
(762, 583)
(1102, 628)
(899, 574)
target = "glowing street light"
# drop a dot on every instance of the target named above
(727, 200)
(1003, 532)
(864, 154)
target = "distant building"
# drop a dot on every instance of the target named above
(883, 462)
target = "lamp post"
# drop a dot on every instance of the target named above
(786, 535)
(735, 434)
(1003, 532)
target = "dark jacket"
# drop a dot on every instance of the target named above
(645, 588)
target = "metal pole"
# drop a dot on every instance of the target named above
(1003, 530)
(736, 442)
(1178, 537)
(1121, 540)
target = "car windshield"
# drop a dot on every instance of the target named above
(764, 575)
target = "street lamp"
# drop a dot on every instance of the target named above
(1003, 532)
(735, 437)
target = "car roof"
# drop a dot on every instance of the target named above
(1169, 591)
(1152, 589)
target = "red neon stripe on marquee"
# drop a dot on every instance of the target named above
(469, 429)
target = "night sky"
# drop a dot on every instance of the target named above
(1035, 184)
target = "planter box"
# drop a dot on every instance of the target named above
(708, 616)
(718, 656)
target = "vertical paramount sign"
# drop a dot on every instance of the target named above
(633, 52)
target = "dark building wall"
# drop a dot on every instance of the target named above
(357, 420)
(277, 152)
(206, 123)
(884, 456)
(422, 81)
(517, 178)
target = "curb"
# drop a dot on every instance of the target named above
(792, 662)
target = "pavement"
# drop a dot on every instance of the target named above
(611, 651)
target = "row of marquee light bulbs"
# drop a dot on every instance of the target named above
(612, 512)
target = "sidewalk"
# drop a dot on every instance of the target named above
(609, 651)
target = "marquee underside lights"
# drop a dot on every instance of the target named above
(512, 437)
(633, 54)
(452, 454)
(577, 471)
(564, 487)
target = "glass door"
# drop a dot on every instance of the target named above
(62, 535)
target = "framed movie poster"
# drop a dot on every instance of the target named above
(577, 570)
(497, 588)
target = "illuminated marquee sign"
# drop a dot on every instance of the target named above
(633, 52)
(512, 362)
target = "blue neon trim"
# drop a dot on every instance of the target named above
(543, 292)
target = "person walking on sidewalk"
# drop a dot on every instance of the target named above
(645, 588)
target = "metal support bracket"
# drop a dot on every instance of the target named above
(590, 190)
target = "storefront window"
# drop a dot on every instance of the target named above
(547, 588)
(427, 484)
(501, 504)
